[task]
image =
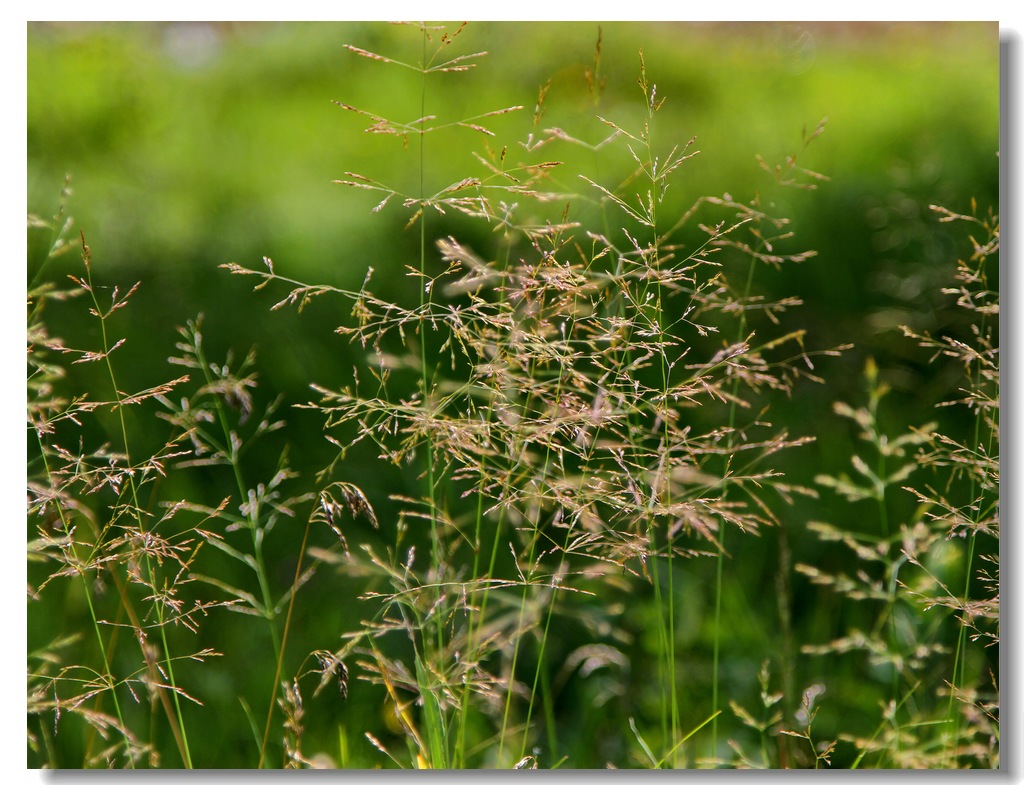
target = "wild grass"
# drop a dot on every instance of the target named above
(572, 414)
(934, 579)
(569, 422)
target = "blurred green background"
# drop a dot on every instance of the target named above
(190, 145)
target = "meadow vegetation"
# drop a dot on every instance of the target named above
(573, 513)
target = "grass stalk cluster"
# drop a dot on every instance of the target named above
(575, 413)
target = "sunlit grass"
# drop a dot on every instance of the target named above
(555, 490)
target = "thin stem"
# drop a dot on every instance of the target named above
(176, 721)
(230, 450)
(88, 592)
(720, 557)
(959, 661)
(425, 297)
(287, 627)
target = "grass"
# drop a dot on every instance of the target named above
(574, 417)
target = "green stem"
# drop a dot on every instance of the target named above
(959, 662)
(438, 745)
(720, 558)
(176, 721)
(87, 591)
(230, 450)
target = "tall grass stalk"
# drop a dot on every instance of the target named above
(568, 426)
(127, 540)
(979, 300)
(176, 722)
(958, 508)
